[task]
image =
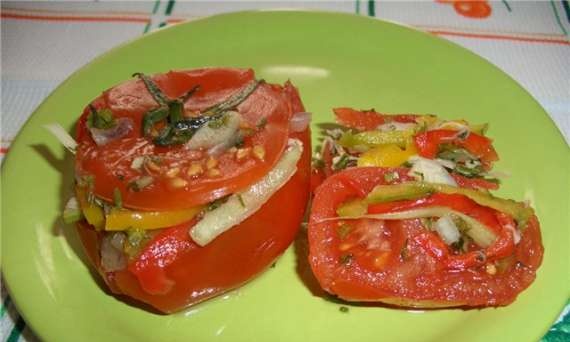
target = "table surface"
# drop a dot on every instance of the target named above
(527, 40)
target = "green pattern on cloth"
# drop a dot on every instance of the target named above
(560, 331)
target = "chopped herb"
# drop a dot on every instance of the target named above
(239, 142)
(140, 183)
(153, 88)
(407, 164)
(240, 199)
(463, 134)
(135, 236)
(216, 203)
(234, 100)
(136, 239)
(120, 177)
(468, 172)
(460, 223)
(389, 177)
(318, 163)
(262, 123)
(345, 259)
(117, 198)
(343, 309)
(343, 231)
(151, 118)
(218, 122)
(273, 265)
(427, 222)
(100, 119)
(458, 245)
(404, 252)
(342, 162)
(481, 257)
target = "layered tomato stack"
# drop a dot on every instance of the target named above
(184, 182)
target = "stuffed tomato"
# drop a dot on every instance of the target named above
(378, 234)
(450, 151)
(184, 182)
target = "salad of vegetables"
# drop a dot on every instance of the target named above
(184, 182)
(403, 215)
(453, 152)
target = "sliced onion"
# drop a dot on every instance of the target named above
(112, 255)
(300, 121)
(122, 127)
(430, 171)
(447, 230)
(208, 137)
(242, 205)
(64, 138)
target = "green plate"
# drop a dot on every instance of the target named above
(336, 60)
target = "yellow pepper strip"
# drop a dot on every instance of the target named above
(92, 212)
(389, 155)
(123, 219)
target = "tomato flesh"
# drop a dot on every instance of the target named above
(402, 262)
(111, 164)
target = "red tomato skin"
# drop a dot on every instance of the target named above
(130, 99)
(368, 119)
(191, 274)
(428, 143)
(419, 278)
(474, 183)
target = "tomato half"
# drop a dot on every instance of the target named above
(171, 272)
(266, 113)
(400, 261)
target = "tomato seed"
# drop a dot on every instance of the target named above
(259, 152)
(243, 153)
(195, 170)
(211, 163)
(178, 182)
(171, 173)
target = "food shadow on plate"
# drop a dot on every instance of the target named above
(60, 229)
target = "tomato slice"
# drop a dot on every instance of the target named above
(474, 183)
(172, 272)
(400, 262)
(368, 119)
(481, 146)
(111, 164)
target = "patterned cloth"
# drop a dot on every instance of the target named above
(527, 40)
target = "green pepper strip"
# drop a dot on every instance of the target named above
(234, 100)
(375, 138)
(152, 88)
(385, 193)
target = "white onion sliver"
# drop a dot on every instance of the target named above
(447, 230)
(122, 128)
(300, 121)
(61, 134)
(430, 171)
(240, 206)
(207, 137)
